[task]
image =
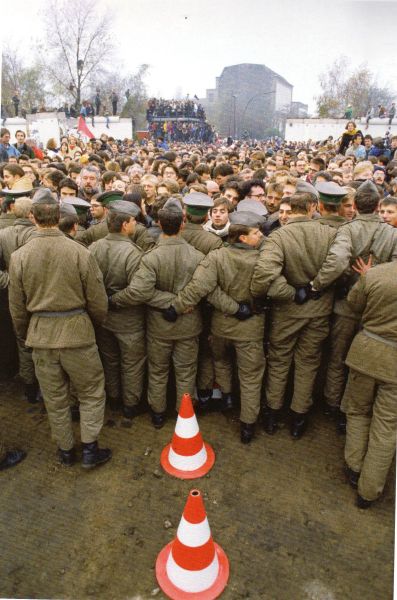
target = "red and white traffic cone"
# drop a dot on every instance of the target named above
(192, 566)
(187, 456)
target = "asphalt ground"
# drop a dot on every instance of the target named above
(281, 510)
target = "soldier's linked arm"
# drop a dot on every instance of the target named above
(203, 282)
(222, 301)
(337, 261)
(95, 292)
(268, 268)
(357, 297)
(142, 286)
(17, 300)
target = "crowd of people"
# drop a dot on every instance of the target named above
(178, 121)
(275, 261)
(176, 109)
(182, 131)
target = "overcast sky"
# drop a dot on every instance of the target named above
(188, 43)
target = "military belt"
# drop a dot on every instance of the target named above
(379, 338)
(62, 313)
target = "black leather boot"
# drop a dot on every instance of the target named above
(247, 431)
(12, 458)
(204, 398)
(226, 402)
(362, 503)
(158, 420)
(67, 457)
(298, 425)
(32, 392)
(94, 456)
(270, 420)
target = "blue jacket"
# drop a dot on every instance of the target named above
(11, 150)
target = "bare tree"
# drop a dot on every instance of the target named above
(28, 82)
(78, 44)
(342, 87)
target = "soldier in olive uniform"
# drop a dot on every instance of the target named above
(12, 354)
(121, 337)
(234, 326)
(11, 239)
(140, 237)
(341, 327)
(167, 268)
(366, 236)
(56, 291)
(370, 398)
(299, 321)
(197, 206)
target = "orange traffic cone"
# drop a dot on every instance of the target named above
(187, 457)
(192, 566)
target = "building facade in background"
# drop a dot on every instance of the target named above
(249, 101)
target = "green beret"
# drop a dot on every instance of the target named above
(107, 197)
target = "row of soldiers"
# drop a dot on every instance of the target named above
(194, 301)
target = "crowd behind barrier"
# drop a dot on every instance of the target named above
(271, 211)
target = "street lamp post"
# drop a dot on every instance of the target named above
(234, 96)
(80, 67)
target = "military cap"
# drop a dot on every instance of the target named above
(304, 187)
(124, 207)
(248, 218)
(106, 197)
(198, 203)
(173, 205)
(368, 187)
(67, 210)
(330, 192)
(44, 196)
(252, 206)
(81, 206)
(22, 187)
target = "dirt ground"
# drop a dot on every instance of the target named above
(280, 509)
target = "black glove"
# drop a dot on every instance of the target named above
(302, 294)
(170, 314)
(244, 312)
(315, 294)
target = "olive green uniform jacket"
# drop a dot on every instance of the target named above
(6, 219)
(374, 296)
(296, 252)
(51, 273)
(365, 236)
(166, 268)
(231, 269)
(202, 240)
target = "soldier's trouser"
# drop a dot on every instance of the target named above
(251, 362)
(297, 340)
(123, 357)
(55, 370)
(26, 366)
(184, 357)
(371, 431)
(205, 367)
(343, 330)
